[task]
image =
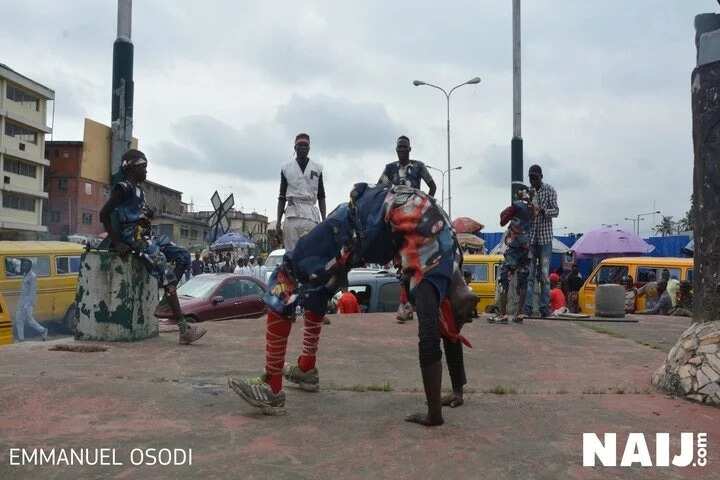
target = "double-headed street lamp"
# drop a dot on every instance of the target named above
(472, 81)
(442, 189)
(636, 221)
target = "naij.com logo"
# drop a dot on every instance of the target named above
(692, 451)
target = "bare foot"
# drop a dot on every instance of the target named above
(452, 400)
(424, 419)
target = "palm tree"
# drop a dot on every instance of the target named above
(665, 227)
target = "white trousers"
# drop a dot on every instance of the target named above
(294, 228)
(23, 317)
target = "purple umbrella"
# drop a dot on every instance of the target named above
(610, 241)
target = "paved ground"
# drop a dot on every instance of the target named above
(534, 389)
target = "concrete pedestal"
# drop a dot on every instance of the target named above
(116, 299)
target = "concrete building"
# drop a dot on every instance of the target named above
(78, 182)
(172, 217)
(23, 125)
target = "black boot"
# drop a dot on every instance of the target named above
(432, 381)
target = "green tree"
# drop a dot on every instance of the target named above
(665, 227)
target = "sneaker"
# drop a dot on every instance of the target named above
(45, 335)
(259, 394)
(308, 381)
(502, 321)
(404, 313)
(191, 335)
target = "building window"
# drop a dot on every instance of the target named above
(18, 201)
(22, 134)
(54, 216)
(21, 96)
(62, 184)
(87, 219)
(19, 167)
(184, 232)
(88, 188)
(193, 234)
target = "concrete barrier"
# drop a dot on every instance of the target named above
(116, 299)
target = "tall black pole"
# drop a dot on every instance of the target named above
(122, 88)
(516, 145)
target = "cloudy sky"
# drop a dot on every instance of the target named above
(222, 86)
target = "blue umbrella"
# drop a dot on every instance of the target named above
(232, 240)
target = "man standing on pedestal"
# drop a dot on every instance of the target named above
(541, 236)
(301, 186)
(409, 173)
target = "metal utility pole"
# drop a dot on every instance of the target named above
(516, 145)
(122, 89)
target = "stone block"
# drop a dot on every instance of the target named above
(702, 379)
(695, 361)
(712, 375)
(710, 389)
(116, 299)
(713, 348)
(713, 361)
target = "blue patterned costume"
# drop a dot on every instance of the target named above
(517, 259)
(378, 224)
(130, 219)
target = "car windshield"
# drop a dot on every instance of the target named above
(273, 260)
(199, 287)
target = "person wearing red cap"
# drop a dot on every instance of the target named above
(301, 186)
(557, 297)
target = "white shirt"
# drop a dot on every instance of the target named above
(302, 190)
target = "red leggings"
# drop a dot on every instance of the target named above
(276, 336)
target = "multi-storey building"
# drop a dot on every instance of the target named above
(23, 125)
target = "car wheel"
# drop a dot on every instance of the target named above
(70, 319)
(192, 318)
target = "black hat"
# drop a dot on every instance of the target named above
(403, 140)
(535, 170)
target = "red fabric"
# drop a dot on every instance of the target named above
(347, 303)
(403, 294)
(311, 338)
(448, 327)
(554, 277)
(277, 332)
(557, 299)
(507, 215)
(466, 225)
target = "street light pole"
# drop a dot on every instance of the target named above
(644, 215)
(516, 144)
(442, 187)
(472, 81)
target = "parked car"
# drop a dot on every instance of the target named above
(272, 261)
(376, 290)
(218, 296)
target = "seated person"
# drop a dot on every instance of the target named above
(650, 292)
(684, 304)
(663, 305)
(557, 297)
(630, 295)
(126, 218)
(347, 303)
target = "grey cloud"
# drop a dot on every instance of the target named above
(255, 152)
(494, 170)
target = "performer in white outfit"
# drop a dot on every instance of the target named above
(24, 311)
(301, 186)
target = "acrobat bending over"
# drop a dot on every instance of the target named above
(378, 224)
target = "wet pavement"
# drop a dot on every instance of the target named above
(533, 390)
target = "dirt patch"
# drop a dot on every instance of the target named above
(64, 347)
